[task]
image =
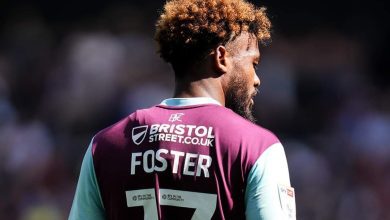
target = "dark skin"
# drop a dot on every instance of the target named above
(228, 75)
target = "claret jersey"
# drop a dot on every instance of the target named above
(187, 158)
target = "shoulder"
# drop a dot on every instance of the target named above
(242, 129)
(113, 132)
(237, 138)
(118, 134)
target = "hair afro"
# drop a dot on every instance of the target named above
(189, 29)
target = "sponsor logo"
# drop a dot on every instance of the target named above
(287, 201)
(172, 197)
(179, 133)
(138, 134)
(175, 117)
(143, 197)
(184, 134)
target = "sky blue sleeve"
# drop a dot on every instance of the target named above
(269, 195)
(87, 203)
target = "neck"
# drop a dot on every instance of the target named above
(207, 87)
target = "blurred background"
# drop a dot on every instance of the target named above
(69, 69)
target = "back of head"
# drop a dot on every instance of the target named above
(188, 30)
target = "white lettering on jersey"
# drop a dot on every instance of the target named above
(175, 117)
(134, 161)
(180, 129)
(184, 134)
(151, 161)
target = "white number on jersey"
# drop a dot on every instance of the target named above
(203, 203)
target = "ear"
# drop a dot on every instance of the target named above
(220, 60)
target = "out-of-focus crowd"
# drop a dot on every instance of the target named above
(61, 82)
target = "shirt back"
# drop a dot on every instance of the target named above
(168, 162)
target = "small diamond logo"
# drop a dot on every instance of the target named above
(139, 134)
(175, 117)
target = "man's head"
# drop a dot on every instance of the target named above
(223, 34)
(240, 80)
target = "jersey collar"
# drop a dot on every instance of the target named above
(189, 101)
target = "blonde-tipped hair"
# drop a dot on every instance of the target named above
(189, 29)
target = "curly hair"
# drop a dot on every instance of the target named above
(190, 29)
